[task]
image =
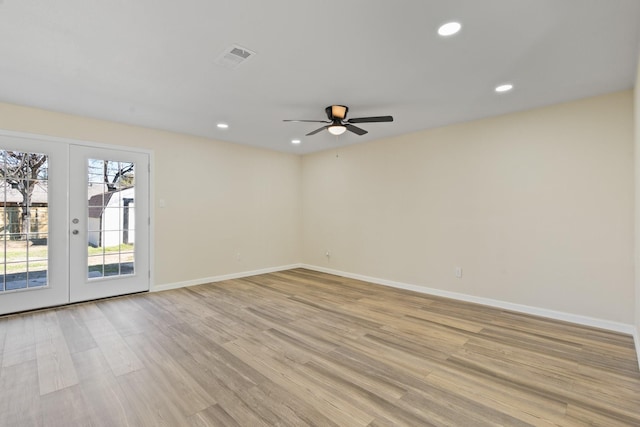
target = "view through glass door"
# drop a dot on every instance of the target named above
(74, 222)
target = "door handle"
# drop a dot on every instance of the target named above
(75, 232)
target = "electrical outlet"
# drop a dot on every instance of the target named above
(238, 257)
(327, 254)
(458, 272)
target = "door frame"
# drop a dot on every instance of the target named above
(67, 142)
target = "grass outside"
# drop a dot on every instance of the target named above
(15, 255)
(111, 249)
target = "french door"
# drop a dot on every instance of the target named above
(74, 222)
(109, 222)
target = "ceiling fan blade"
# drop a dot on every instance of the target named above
(371, 119)
(355, 129)
(308, 121)
(317, 130)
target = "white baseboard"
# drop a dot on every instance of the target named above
(168, 286)
(536, 311)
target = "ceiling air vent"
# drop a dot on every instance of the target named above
(233, 56)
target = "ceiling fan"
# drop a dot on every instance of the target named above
(338, 123)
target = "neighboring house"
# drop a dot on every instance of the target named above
(11, 209)
(111, 218)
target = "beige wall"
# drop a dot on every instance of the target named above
(536, 207)
(637, 200)
(220, 200)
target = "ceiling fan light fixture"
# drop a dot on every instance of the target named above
(336, 129)
(339, 111)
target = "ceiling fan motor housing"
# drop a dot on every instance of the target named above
(336, 112)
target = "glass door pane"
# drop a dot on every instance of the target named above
(111, 195)
(24, 204)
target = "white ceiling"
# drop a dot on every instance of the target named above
(152, 62)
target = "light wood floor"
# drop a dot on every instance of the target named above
(305, 348)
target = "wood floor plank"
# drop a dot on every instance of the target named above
(229, 388)
(362, 397)
(231, 371)
(300, 347)
(19, 342)
(126, 317)
(75, 330)
(272, 412)
(212, 416)
(170, 376)
(493, 392)
(153, 407)
(156, 309)
(90, 364)
(306, 411)
(394, 356)
(241, 412)
(20, 403)
(362, 378)
(55, 367)
(560, 386)
(106, 402)
(115, 350)
(580, 415)
(65, 407)
(449, 408)
(335, 407)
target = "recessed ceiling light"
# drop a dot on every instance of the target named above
(223, 125)
(449, 29)
(295, 141)
(504, 88)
